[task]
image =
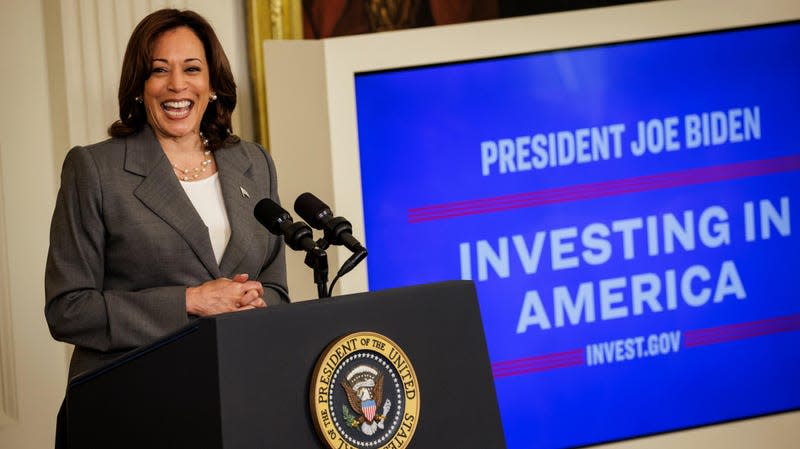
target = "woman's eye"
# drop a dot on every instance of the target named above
(193, 69)
(159, 70)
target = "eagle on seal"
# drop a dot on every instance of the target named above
(364, 388)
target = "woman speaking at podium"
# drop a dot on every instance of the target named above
(155, 226)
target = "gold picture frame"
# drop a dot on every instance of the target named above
(268, 19)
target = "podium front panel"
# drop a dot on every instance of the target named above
(252, 373)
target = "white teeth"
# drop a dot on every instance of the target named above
(177, 104)
(177, 114)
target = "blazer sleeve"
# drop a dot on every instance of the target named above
(78, 308)
(273, 273)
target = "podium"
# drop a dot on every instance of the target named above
(242, 380)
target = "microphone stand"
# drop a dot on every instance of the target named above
(317, 260)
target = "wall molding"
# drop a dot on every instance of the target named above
(8, 386)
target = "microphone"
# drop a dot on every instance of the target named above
(297, 236)
(338, 231)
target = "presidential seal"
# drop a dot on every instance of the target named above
(364, 394)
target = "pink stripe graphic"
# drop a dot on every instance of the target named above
(740, 331)
(605, 189)
(539, 363)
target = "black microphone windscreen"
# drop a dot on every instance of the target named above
(271, 215)
(312, 209)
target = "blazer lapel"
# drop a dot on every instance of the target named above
(162, 193)
(237, 186)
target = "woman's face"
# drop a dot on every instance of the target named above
(177, 92)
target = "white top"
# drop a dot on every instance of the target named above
(206, 196)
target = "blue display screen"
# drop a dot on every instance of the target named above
(626, 212)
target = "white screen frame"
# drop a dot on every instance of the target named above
(314, 139)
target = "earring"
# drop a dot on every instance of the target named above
(138, 100)
(213, 97)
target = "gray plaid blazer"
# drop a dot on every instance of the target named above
(126, 241)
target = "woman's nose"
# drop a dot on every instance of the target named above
(177, 81)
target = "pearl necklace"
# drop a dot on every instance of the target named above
(191, 174)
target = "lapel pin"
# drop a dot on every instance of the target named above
(244, 192)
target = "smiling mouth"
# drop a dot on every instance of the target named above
(177, 109)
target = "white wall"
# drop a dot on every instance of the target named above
(58, 86)
(26, 150)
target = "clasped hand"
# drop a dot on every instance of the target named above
(224, 295)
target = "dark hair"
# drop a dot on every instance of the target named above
(137, 65)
